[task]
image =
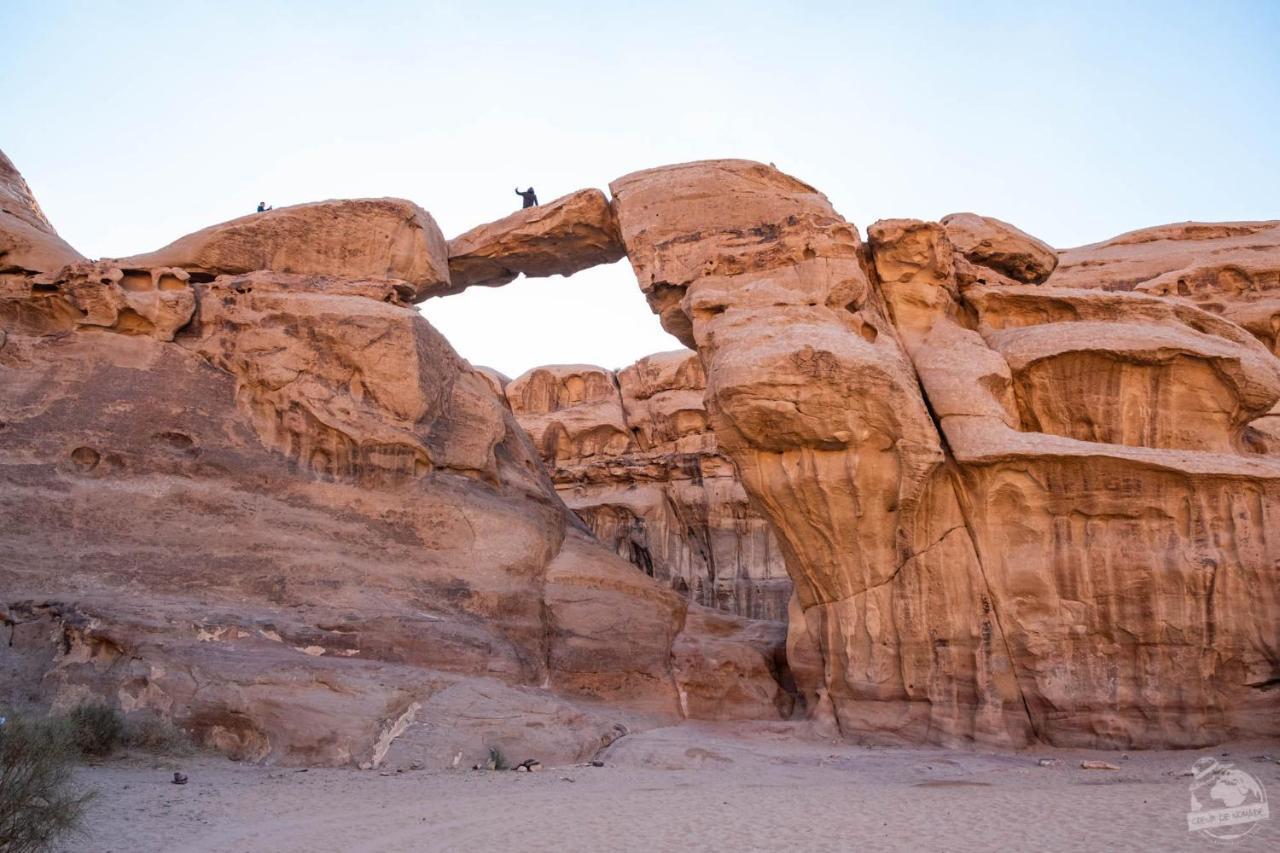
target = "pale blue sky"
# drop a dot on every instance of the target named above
(137, 122)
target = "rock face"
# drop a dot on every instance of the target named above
(1096, 527)
(280, 510)
(28, 243)
(1231, 269)
(558, 238)
(1096, 440)
(632, 454)
(814, 399)
(371, 238)
(250, 489)
(1227, 268)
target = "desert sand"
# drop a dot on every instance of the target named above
(691, 787)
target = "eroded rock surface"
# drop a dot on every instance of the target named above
(1226, 268)
(1102, 451)
(816, 402)
(560, 237)
(632, 453)
(993, 243)
(369, 238)
(280, 510)
(1097, 437)
(250, 489)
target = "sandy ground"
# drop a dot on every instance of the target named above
(692, 787)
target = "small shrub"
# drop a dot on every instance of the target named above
(154, 735)
(96, 729)
(37, 804)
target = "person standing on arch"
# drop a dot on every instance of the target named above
(530, 198)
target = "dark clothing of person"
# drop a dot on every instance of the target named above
(530, 198)
(262, 207)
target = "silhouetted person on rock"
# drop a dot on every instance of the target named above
(262, 207)
(530, 198)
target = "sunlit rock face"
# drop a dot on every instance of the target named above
(1019, 495)
(372, 238)
(1011, 511)
(277, 508)
(1097, 438)
(814, 398)
(1231, 269)
(633, 455)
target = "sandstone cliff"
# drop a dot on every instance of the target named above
(632, 453)
(1022, 495)
(273, 504)
(1087, 527)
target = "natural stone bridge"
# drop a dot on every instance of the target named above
(1021, 494)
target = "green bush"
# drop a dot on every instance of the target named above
(37, 803)
(97, 729)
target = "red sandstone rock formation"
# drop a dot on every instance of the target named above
(814, 399)
(372, 238)
(1020, 583)
(633, 455)
(989, 242)
(279, 509)
(1096, 438)
(560, 237)
(1227, 268)
(28, 242)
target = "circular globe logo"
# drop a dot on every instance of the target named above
(1226, 803)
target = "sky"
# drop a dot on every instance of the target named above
(138, 122)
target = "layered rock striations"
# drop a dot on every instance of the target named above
(1121, 522)
(1227, 268)
(632, 454)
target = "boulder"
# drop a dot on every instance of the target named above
(371, 238)
(990, 242)
(561, 237)
(730, 668)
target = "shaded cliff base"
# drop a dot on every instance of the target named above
(696, 786)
